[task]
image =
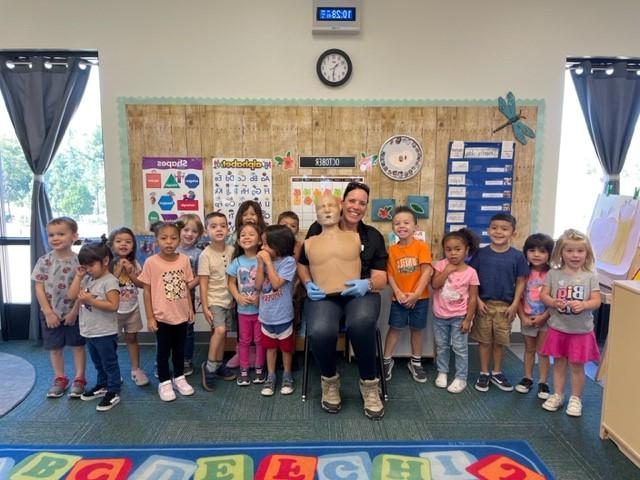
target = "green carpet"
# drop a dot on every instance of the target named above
(570, 447)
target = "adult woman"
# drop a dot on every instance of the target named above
(359, 303)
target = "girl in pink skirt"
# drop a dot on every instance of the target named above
(572, 292)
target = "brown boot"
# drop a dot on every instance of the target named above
(373, 407)
(331, 401)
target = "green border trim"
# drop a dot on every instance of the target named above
(318, 102)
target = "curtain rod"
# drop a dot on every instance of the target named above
(602, 63)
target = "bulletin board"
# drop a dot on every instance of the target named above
(246, 129)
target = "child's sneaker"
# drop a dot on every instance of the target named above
(208, 378)
(543, 391)
(261, 375)
(165, 391)
(457, 386)
(58, 388)
(482, 383)
(524, 386)
(188, 368)
(553, 403)
(287, 386)
(243, 379)
(139, 377)
(388, 368)
(225, 373)
(500, 381)
(183, 386)
(417, 372)
(95, 392)
(110, 400)
(574, 407)
(441, 380)
(77, 387)
(269, 387)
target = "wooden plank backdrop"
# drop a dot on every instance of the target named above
(209, 131)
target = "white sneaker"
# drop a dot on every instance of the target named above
(139, 377)
(183, 386)
(441, 380)
(457, 386)
(574, 407)
(165, 390)
(553, 403)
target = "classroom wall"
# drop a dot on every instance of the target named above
(407, 49)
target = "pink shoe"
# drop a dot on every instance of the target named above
(183, 386)
(165, 390)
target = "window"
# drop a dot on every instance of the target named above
(580, 176)
(75, 184)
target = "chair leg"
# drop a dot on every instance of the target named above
(383, 381)
(305, 368)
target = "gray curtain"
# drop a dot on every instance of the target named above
(41, 102)
(610, 104)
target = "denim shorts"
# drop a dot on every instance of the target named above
(415, 317)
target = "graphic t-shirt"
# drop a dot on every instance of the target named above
(453, 298)
(244, 269)
(56, 275)
(570, 286)
(128, 291)
(169, 291)
(531, 303)
(404, 265)
(94, 322)
(276, 306)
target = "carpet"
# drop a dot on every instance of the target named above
(300, 461)
(17, 377)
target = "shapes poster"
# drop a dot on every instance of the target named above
(172, 186)
(306, 190)
(479, 184)
(238, 179)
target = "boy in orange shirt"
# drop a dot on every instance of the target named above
(409, 272)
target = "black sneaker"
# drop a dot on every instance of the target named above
(225, 373)
(188, 368)
(95, 392)
(261, 375)
(243, 379)
(388, 368)
(543, 391)
(500, 381)
(524, 386)
(482, 383)
(110, 400)
(208, 378)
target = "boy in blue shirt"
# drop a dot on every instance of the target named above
(502, 270)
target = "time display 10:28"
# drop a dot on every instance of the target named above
(333, 14)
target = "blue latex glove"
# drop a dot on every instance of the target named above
(314, 292)
(357, 288)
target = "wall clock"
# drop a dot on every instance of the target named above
(400, 157)
(334, 67)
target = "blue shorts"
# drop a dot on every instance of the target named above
(415, 317)
(62, 336)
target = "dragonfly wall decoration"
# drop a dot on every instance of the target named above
(508, 108)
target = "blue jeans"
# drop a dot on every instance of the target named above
(361, 319)
(104, 355)
(189, 343)
(447, 332)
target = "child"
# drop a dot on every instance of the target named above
(275, 275)
(53, 274)
(409, 272)
(572, 293)
(190, 233)
(217, 302)
(291, 220)
(533, 313)
(502, 270)
(242, 285)
(168, 306)
(249, 211)
(98, 293)
(126, 269)
(455, 298)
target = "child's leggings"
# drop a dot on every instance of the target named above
(249, 329)
(170, 343)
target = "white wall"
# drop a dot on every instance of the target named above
(420, 49)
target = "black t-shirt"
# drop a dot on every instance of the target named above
(373, 254)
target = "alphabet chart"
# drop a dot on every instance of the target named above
(172, 186)
(479, 184)
(238, 179)
(306, 190)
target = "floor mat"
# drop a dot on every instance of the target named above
(300, 461)
(17, 377)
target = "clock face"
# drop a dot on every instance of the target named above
(334, 67)
(400, 157)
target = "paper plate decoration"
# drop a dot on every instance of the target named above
(400, 157)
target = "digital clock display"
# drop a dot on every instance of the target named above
(333, 14)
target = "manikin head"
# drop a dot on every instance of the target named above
(328, 210)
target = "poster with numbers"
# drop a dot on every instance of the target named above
(479, 184)
(238, 179)
(172, 186)
(306, 190)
